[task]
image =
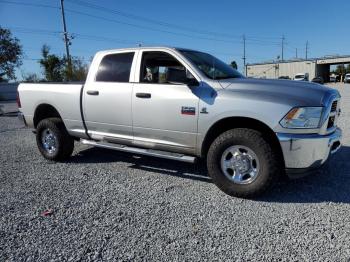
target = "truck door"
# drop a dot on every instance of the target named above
(107, 99)
(165, 107)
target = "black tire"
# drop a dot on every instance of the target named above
(270, 166)
(64, 143)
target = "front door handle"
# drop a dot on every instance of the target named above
(92, 92)
(143, 95)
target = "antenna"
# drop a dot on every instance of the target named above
(306, 49)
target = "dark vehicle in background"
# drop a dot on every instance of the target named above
(318, 80)
(284, 77)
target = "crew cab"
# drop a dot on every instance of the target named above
(183, 104)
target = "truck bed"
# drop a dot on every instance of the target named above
(64, 97)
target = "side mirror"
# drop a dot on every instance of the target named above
(190, 79)
(180, 76)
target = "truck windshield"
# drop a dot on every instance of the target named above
(211, 66)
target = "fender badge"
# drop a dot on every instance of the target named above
(187, 110)
(204, 110)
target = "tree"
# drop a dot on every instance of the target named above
(78, 72)
(56, 68)
(31, 78)
(52, 65)
(341, 69)
(234, 65)
(10, 55)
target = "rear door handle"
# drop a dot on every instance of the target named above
(143, 95)
(92, 92)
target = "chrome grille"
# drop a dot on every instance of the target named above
(332, 118)
(334, 106)
(331, 121)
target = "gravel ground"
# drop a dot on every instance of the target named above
(107, 205)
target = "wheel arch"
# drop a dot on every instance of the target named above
(44, 111)
(240, 122)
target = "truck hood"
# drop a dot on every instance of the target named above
(294, 93)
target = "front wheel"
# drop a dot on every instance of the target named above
(242, 163)
(53, 140)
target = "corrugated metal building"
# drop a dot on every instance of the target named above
(314, 67)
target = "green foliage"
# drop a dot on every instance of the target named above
(52, 65)
(341, 69)
(10, 55)
(77, 71)
(234, 65)
(31, 78)
(57, 69)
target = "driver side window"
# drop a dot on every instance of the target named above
(161, 68)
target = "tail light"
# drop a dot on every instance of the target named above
(18, 100)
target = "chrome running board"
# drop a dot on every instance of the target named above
(141, 151)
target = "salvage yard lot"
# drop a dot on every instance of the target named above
(108, 205)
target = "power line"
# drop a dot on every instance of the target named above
(76, 35)
(117, 21)
(161, 23)
(145, 19)
(250, 40)
(262, 41)
(73, 59)
(35, 31)
(148, 28)
(97, 38)
(29, 4)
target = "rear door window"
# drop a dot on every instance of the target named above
(115, 68)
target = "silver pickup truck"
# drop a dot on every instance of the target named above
(183, 104)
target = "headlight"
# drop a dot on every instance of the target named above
(302, 117)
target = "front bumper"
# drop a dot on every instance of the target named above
(304, 152)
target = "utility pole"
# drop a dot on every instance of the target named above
(282, 48)
(66, 41)
(306, 49)
(244, 57)
(296, 52)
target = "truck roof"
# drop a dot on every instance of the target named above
(142, 48)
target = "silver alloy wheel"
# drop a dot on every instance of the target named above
(49, 141)
(240, 164)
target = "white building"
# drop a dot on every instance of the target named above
(314, 67)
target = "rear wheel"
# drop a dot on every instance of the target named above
(53, 140)
(242, 163)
